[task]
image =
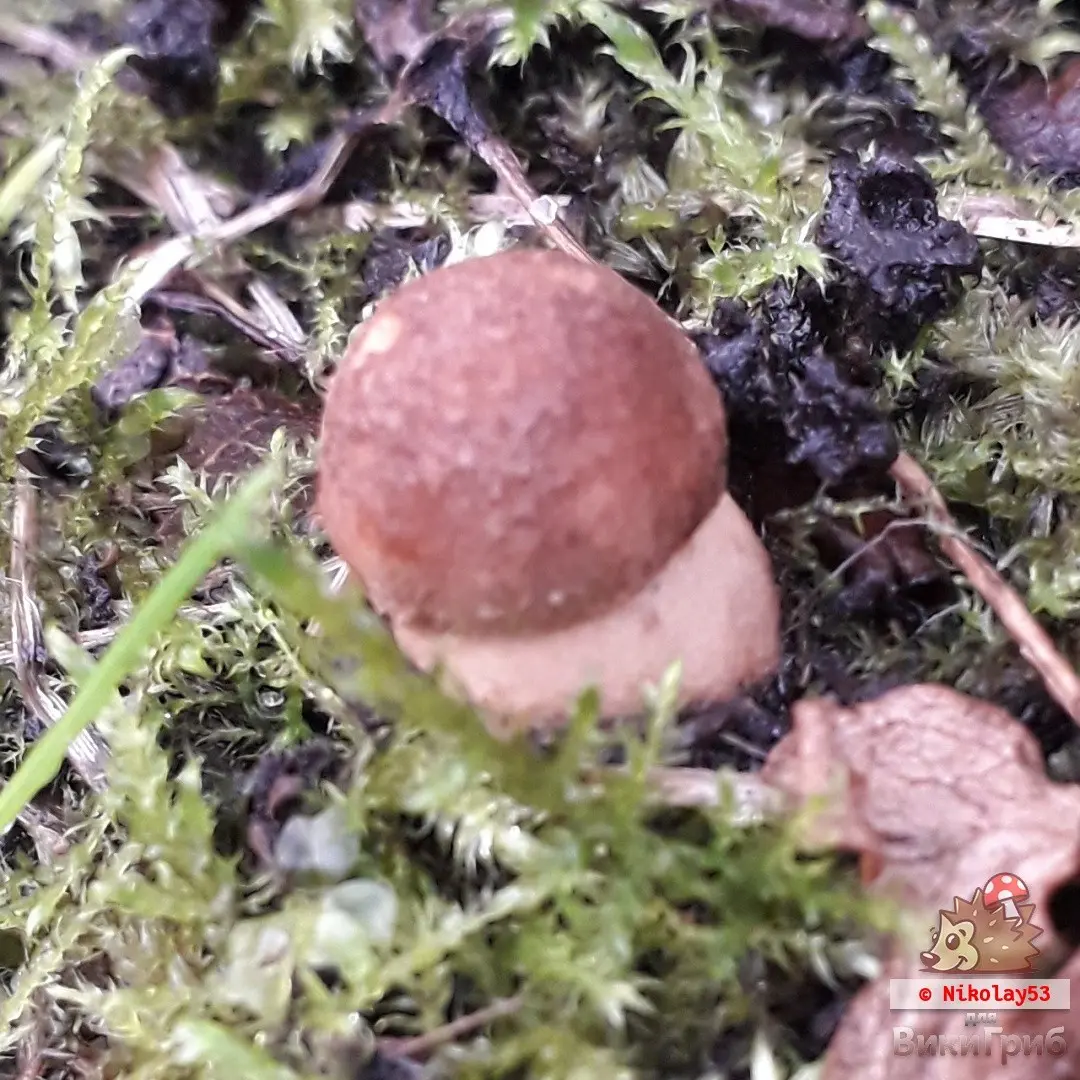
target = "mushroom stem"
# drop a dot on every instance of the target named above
(713, 606)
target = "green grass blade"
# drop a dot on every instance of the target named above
(202, 553)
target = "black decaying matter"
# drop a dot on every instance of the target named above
(178, 43)
(779, 383)
(800, 365)
(901, 265)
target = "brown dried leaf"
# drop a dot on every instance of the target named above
(397, 31)
(812, 20)
(938, 792)
(230, 433)
(233, 431)
(1035, 120)
(881, 564)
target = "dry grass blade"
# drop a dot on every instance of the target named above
(1002, 217)
(46, 830)
(360, 216)
(150, 269)
(87, 753)
(1025, 231)
(189, 200)
(196, 204)
(749, 799)
(43, 42)
(192, 203)
(213, 300)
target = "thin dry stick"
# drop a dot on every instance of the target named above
(187, 200)
(393, 32)
(420, 1046)
(1035, 644)
(1006, 217)
(87, 752)
(544, 213)
(746, 797)
(46, 830)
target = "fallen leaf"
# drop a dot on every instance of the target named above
(227, 434)
(812, 20)
(945, 790)
(938, 792)
(232, 432)
(885, 563)
(1035, 120)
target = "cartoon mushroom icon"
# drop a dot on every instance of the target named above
(1007, 890)
(524, 463)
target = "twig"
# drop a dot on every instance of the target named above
(47, 830)
(195, 204)
(100, 637)
(214, 301)
(87, 752)
(1025, 230)
(1035, 644)
(60, 52)
(543, 211)
(420, 1046)
(359, 215)
(750, 799)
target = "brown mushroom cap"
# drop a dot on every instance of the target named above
(515, 443)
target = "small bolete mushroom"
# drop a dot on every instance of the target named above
(524, 462)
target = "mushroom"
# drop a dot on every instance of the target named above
(524, 463)
(1007, 890)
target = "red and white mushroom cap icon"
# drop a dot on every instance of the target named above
(1007, 890)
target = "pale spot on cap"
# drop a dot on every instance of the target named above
(378, 336)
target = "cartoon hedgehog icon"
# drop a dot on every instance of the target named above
(989, 932)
